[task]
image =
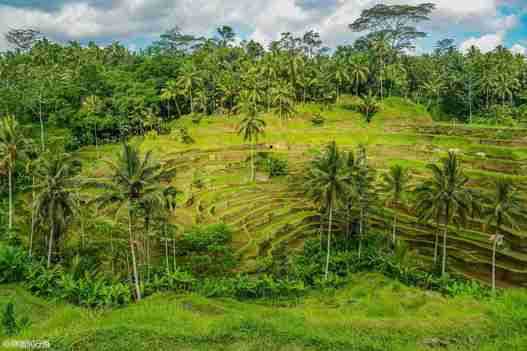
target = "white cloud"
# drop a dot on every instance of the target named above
(485, 43)
(519, 49)
(263, 20)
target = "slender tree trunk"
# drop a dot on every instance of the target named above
(10, 176)
(394, 228)
(494, 245)
(360, 230)
(42, 142)
(329, 239)
(50, 244)
(436, 243)
(132, 251)
(443, 265)
(32, 218)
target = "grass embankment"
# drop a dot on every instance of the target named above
(370, 313)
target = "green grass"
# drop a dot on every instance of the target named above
(370, 313)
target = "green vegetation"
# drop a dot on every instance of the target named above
(127, 219)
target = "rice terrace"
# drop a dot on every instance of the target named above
(213, 189)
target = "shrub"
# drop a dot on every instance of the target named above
(10, 324)
(13, 261)
(318, 120)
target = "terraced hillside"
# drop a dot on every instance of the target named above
(270, 211)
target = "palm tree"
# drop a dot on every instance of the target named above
(358, 74)
(134, 181)
(326, 182)
(284, 101)
(369, 105)
(170, 93)
(340, 75)
(189, 78)
(251, 127)
(447, 191)
(395, 186)
(11, 148)
(55, 203)
(364, 194)
(504, 206)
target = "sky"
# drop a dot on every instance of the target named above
(136, 23)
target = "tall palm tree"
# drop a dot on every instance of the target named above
(365, 194)
(341, 76)
(395, 187)
(134, 180)
(358, 74)
(170, 93)
(504, 207)
(187, 81)
(447, 191)
(326, 182)
(284, 101)
(11, 148)
(55, 203)
(251, 127)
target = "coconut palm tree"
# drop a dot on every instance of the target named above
(341, 76)
(358, 74)
(134, 181)
(12, 144)
(56, 204)
(251, 127)
(284, 101)
(447, 190)
(365, 194)
(504, 206)
(190, 77)
(326, 182)
(170, 93)
(395, 187)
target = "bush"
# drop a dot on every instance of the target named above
(207, 250)
(318, 120)
(10, 324)
(13, 262)
(273, 166)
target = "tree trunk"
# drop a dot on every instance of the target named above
(50, 244)
(436, 243)
(494, 245)
(252, 161)
(132, 251)
(10, 171)
(443, 265)
(32, 218)
(42, 142)
(329, 239)
(394, 228)
(360, 230)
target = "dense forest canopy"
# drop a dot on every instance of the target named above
(102, 94)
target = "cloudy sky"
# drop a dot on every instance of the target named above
(136, 23)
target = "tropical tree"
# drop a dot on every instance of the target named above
(326, 182)
(190, 77)
(56, 204)
(284, 101)
(446, 191)
(395, 187)
(365, 194)
(359, 72)
(12, 144)
(170, 93)
(340, 76)
(369, 106)
(251, 127)
(134, 182)
(504, 206)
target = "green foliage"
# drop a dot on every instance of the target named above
(318, 119)
(275, 167)
(10, 324)
(12, 264)
(207, 250)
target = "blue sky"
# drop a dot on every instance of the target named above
(136, 23)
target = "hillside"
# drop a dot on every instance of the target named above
(271, 211)
(370, 313)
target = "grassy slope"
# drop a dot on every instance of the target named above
(401, 133)
(370, 313)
